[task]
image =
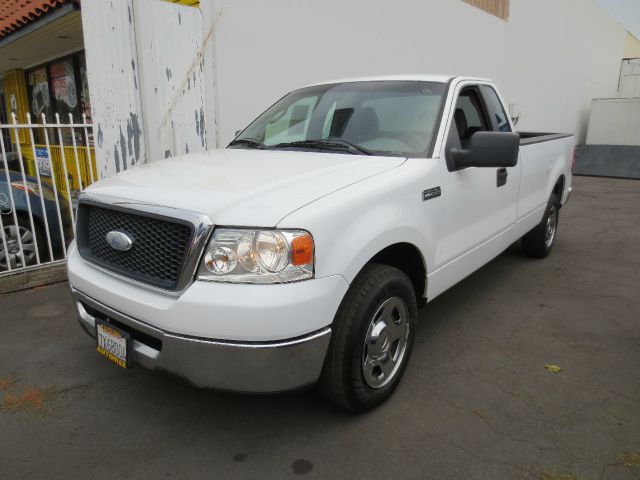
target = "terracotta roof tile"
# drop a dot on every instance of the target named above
(15, 14)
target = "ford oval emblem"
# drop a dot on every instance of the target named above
(120, 241)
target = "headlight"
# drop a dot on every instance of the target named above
(257, 256)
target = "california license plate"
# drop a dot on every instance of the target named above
(113, 343)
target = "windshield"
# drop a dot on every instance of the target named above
(396, 118)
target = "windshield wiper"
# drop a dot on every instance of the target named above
(328, 143)
(249, 142)
(351, 145)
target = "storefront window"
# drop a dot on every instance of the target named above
(63, 85)
(39, 86)
(60, 87)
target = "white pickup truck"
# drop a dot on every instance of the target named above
(299, 254)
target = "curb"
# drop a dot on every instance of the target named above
(36, 277)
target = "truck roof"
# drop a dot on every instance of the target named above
(407, 77)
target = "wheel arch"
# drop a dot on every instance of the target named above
(407, 258)
(558, 187)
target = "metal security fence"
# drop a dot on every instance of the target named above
(43, 169)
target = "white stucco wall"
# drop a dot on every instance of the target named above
(145, 64)
(551, 57)
(614, 121)
(166, 79)
(114, 81)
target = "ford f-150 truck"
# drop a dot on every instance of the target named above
(299, 254)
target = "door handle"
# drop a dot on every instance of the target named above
(501, 177)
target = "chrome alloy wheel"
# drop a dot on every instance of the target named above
(12, 254)
(552, 226)
(385, 343)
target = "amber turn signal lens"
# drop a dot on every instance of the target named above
(302, 250)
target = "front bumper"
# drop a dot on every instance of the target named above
(256, 367)
(245, 313)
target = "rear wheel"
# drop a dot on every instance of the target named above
(539, 242)
(372, 338)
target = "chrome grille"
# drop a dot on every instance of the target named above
(159, 250)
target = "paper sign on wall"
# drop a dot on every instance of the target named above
(43, 162)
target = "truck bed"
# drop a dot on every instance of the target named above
(528, 138)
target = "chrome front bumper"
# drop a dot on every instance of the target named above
(259, 367)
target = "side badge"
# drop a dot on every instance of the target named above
(430, 193)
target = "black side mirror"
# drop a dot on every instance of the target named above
(488, 149)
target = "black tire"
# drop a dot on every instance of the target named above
(537, 243)
(343, 380)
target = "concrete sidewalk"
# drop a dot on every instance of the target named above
(476, 402)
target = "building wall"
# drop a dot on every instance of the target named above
(615, 121)
(632, 47)
(144, 64)
(550, 57)
(560, 56)
(114, 79)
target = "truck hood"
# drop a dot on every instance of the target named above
(242, 187)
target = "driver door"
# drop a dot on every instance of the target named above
(479, 203)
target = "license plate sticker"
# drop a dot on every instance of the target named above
(113, 343)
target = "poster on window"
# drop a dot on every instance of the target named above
(43, 162)
(63, 83)
(40, 100)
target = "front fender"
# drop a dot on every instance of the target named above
(393, 236)
(352, 225)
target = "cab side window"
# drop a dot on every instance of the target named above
(469, 115)
(495, 109)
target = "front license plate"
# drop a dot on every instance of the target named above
(113, 343)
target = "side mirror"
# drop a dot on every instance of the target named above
(488, 149)
(237, 133)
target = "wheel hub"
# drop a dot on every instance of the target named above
(12, 247)
(552, 225)
(385, 343)
(13, 255)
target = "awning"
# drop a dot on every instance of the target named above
(16, 14)
(54, 34)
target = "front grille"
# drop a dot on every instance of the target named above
(159, 248)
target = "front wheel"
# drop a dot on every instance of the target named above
(372, 338)
(15, 237)
(539, 242)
